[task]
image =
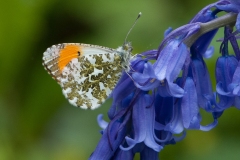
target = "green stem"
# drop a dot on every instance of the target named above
(211, 25)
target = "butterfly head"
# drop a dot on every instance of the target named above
(127, 46)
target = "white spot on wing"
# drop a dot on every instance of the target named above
(73, 101)
(93, 100)
(101, 85)
(97, 71)
(108, 91)
(90, 59)
(65, 92)
(84, 106)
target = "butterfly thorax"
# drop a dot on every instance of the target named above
(125, 53)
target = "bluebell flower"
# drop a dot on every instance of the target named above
(234, 87)
(227, 73)
(225, 68)
(231, 6)
(143, 123)
(202, 43)
(162, 94)
(170, 59)
(197, 68)
(199, 72)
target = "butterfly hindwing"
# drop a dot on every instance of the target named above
(86, 73)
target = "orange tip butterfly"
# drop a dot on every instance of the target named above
(87, 73)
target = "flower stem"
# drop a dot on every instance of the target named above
(211, 25)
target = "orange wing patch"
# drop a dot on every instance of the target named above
(67, 54)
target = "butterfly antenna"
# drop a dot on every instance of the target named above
(139, 15)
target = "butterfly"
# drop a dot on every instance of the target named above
(86, 73)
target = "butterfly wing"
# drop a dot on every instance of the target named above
(86, 73)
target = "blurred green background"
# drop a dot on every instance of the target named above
(37, 122)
